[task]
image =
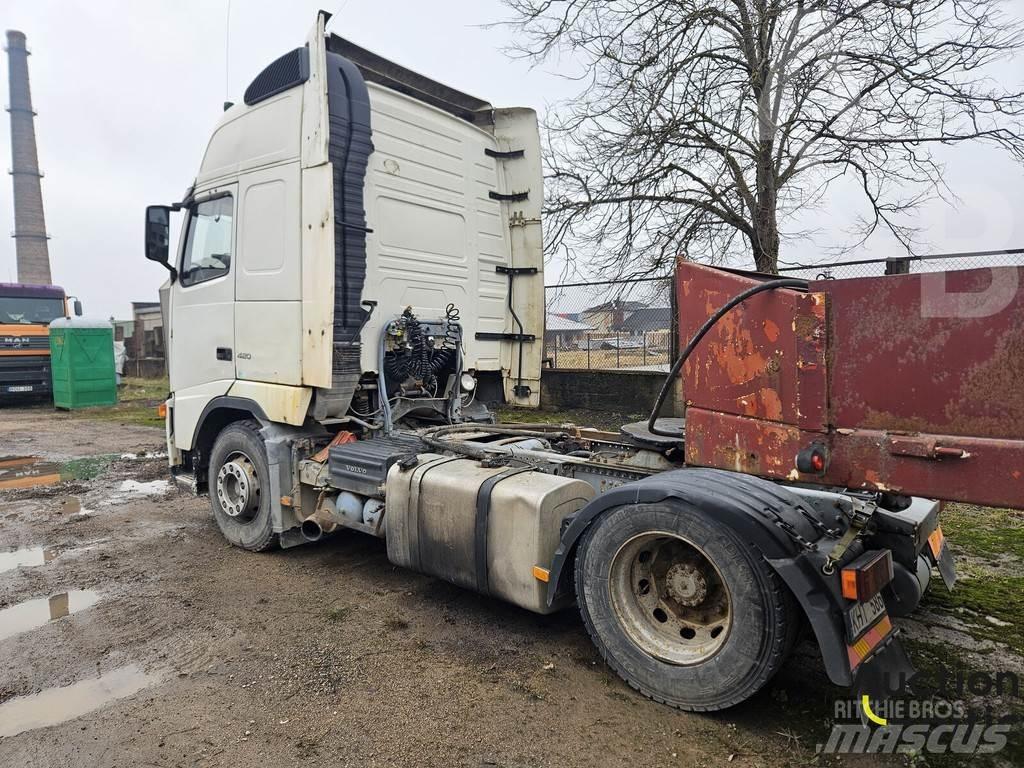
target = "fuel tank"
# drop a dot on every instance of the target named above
(483, 528)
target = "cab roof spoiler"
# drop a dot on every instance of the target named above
(377, 69)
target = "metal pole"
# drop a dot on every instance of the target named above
(645, 347)
(588, 351)
(618, 351)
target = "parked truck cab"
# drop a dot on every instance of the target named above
(26, 312)
(344, 194)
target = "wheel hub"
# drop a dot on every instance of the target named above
(686, 585)
(238, 487)
(670, 598)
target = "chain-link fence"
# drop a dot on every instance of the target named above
(906, 265)
(631, 324)
(614, 324)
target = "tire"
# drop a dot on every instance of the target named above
(253, 530)
(710, 671)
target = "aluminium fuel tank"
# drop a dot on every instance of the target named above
(483, 528)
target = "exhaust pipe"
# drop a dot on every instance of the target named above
(318, 525)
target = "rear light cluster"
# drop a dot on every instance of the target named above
(864, 577)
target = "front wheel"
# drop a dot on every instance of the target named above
(240, 487)
(681, 607)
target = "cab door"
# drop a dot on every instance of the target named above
(202, 339)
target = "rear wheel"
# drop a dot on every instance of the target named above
(681, 607)
(239, 487)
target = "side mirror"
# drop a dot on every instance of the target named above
(78, 307)
(158, 236)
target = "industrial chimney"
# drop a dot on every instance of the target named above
(29, 224)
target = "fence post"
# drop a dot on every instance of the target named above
(588, 351)
(555, 363)
(618, 351)
(645, 348)
(897, 266)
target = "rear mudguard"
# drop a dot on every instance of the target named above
(785, 528)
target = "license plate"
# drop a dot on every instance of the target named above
(21, 388)
(860, 650)
(860, 616)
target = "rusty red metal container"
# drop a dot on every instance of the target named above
(913, 384)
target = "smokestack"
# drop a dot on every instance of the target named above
(29, 225)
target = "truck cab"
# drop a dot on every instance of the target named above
(26, 312)
(360, 244)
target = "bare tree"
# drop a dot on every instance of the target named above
(703, 125)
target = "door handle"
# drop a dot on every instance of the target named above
(223, 353)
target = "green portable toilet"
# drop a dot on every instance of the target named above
(82, 361)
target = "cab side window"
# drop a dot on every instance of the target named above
(208, 247)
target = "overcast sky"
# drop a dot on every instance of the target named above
(128, 92)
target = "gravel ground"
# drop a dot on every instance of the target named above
(196, 653)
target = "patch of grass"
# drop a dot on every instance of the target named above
(85, 468)
(1001, 597)
(988, 544)
(338, 613)
(137, 403)
(984, 532)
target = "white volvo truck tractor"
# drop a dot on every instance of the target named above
(358, 280)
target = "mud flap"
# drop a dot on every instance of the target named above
(823, 614)
(885, 672)
(868, 663)
(943, 560)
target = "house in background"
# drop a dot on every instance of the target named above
(563, 333)
(646, 320)
(605, 317)
(143, 338)
(148, 337)
(654, 324)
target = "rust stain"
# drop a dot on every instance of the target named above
(771, 404)
(771, 330)
(736, 354)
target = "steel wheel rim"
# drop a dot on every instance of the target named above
(238, 487)
(670, 598)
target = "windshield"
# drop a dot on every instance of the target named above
(23, 310)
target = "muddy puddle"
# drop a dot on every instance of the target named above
(32, 614)
(28, 472)
(72, 505)
(33, 471)
(130, 490)
(27, 557)
(58, 705)
(18, 472)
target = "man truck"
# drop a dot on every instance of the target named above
(359, 279)
(26, 312)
